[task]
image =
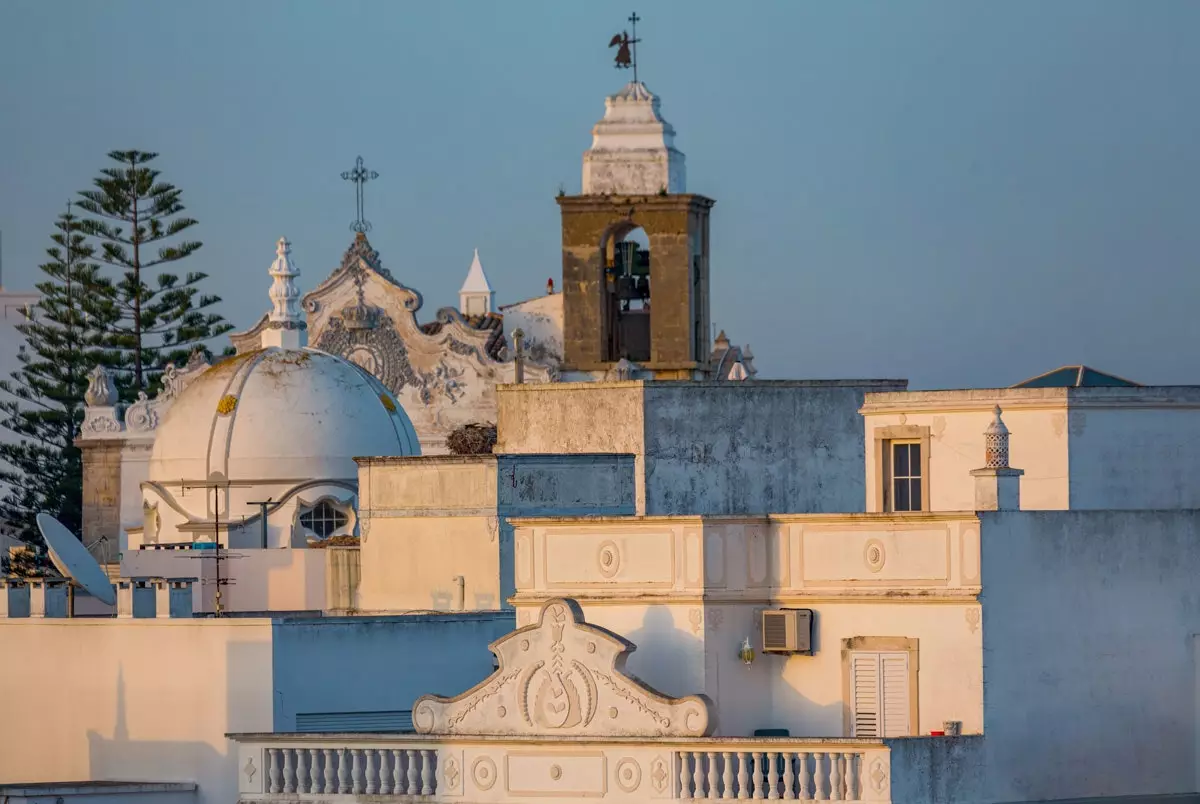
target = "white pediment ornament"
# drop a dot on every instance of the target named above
(563, 677)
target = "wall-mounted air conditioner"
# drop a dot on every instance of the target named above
(787, 631)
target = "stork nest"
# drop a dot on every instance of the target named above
(472, 439)
(335, 541)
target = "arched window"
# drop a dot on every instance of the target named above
(626, 250)
(324, 519)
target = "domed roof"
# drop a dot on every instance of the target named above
(278, 415)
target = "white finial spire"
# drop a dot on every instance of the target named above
(476, 296)
(285, 323)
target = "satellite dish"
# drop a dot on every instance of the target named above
(72, 559)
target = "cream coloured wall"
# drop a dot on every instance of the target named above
(133, 699)
(1036, 419)
(424, 521)
(687, 591)
(260, 580)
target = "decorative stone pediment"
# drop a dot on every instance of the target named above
(105, 418)
(563, 677)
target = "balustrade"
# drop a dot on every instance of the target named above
(351, 771)
(292, 767)
(791, 775)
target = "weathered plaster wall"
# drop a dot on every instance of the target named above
(754, 448)
(101, 492)
(574, 418)
(133, 699)
(1134, 457)
(348, 665)
(541, 319)
(1090, 623)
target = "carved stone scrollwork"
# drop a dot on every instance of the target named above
(144, 414)
(101, 420)
(558, 674)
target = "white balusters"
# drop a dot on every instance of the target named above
(385, 776)
(426, 772)
(314, 777)
(727, 776)
(396, 778)
(713, 777)
(343, 773)
(819, 776)
(743, 775)
(412, 773)
(772, 774)
(789, 775)
(835, 776)
(372, 787)
(289, 777)
(685, 776)
(273, 753)
(329, 784)
(805, 793)
(757, 758)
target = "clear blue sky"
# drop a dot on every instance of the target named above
(959, 193)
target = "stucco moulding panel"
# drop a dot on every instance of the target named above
(852, 556)
(561, 677)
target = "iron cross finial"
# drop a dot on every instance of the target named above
(360, 176)
(627, 52)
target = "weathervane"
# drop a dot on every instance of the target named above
(627, 52)
(360, 176)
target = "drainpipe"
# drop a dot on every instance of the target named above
(460, 593)
(519, 358)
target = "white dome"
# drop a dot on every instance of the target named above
(279, 416)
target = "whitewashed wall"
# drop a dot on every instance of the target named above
(687, 591)
(133, 699)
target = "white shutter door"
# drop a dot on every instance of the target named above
(879, 695)
(895, 694)
(865, 692)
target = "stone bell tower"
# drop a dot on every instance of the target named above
(622, 301)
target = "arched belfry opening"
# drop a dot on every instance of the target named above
(636, 284)
(626, 258)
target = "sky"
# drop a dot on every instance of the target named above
(961, 193)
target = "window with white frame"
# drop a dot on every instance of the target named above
(903, 490)
(324, 519)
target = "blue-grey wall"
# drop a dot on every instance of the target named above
(558, 485)
(756, 447)
(363, 665)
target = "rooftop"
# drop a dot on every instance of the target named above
(1079, 376)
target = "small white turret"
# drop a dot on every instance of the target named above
(476, 296)
(286, 327)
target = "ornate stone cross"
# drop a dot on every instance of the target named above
(360, 176)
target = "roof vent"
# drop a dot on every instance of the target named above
(787, 631)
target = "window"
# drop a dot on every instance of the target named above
(901, 468)
(879, 686)
(324, 519)
(879, 691)
(905, 485)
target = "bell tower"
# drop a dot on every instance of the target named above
(635, 250)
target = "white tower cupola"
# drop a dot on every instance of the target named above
(476, 296)
(286, 327)
(633, 149)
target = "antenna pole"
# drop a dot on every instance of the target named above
(262, 507)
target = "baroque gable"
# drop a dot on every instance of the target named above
(444, 372)
(563, 677)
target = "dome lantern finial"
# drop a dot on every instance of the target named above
(285, 323)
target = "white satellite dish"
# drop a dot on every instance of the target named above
(73, 560)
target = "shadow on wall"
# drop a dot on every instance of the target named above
(210, 760)
(701, 656)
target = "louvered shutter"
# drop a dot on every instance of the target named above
(864, 685)
(895, 694)
(880, 694)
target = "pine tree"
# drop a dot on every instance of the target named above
(43, 404)
(148, 326)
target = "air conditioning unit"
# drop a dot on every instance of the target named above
(787, 631)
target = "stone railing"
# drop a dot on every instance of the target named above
(328, 767)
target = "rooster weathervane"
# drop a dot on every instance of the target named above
(627, 47)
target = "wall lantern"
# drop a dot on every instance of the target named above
(746, 653)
